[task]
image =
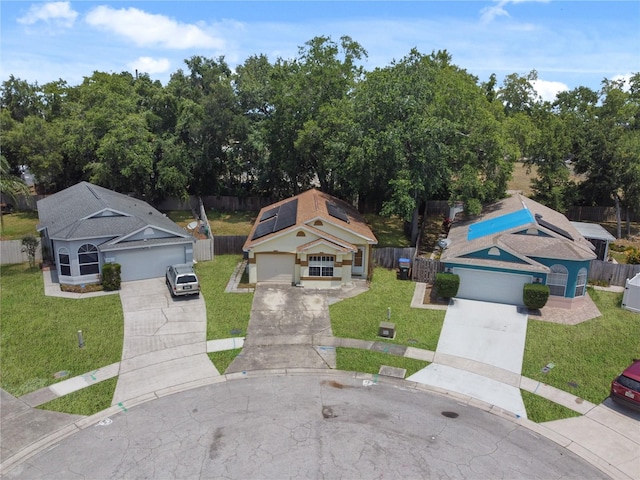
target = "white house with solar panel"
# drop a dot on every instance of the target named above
(313, 239)
(514, 242)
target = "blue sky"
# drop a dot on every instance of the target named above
(569, 43)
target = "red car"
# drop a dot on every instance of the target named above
(625, 389)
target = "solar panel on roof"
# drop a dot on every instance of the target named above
(552, 227)
(264, 228)
(269, 214)
(337, 212)
(287, 215)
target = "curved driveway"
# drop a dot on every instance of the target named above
(333, 425)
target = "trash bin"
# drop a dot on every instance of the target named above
(404, 264)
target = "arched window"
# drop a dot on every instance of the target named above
(63, 262)
(557, 280)
(88, 259)
(581, 284)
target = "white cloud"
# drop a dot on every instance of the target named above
(53, 13)
(150, 65)
(146, 29)
(548, 89)
(488, 14)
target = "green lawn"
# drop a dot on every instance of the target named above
(359, 317)
(388, 231)
(38, 337)
(223, 359)
(587, 356)
(87, 401)
(227, 313)
(366, 361)
(17, 225)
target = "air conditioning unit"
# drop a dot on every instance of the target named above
(387, 330)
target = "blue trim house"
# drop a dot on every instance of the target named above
(517, 241)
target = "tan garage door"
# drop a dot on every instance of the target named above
(275, 268)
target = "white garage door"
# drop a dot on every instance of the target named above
(275, 268)
(490, 286)
(148, 262)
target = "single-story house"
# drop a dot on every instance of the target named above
(514, 242)
(85, 226)
(313, 239)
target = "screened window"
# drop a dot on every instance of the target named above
(557, 280)
(321, 266)
(63, 262)
(88, 259)
(581, 285)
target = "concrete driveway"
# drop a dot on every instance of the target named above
(480, 353)
(164, 340)
(283, 322)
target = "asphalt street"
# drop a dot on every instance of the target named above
(315, 425)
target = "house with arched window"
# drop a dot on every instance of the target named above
(514, 242)
(85, 226)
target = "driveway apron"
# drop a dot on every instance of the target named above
(164, 340)
(480, 353)
(283, 322)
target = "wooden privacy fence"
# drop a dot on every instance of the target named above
(387, 257)
(425, 269)
(612, 273)
(203, 250)
(11, 252)
(228, 244)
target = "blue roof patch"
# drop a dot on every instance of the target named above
(500, 224)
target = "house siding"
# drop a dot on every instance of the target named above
(573, 267)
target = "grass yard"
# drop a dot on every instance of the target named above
(587, 356)
(366, 361)
(223, 359)
(388, 231)
(87, 401)
(222, 223)
(17, 225)
(540, 409)
(38, 335)
(359, 317)
(227, 313)
(521, 178)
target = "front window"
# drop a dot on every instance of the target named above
(581, 285)
(557, 280)
(63, 262)
(88, 259)
(321, 266)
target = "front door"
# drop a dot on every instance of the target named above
(358, 262)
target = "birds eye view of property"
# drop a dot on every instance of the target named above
(417, 223)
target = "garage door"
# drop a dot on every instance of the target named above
(490, 286)
(275, 268)
(148, 262)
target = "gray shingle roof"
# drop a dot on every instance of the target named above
(71, 214)
(553, 245)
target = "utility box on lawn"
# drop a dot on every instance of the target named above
(387, 330)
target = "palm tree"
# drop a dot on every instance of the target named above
(10, 185)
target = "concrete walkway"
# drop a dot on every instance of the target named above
(480, 333)
(283, 322)
(165, 340)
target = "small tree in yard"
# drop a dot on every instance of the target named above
(29, 246)
(111, 277)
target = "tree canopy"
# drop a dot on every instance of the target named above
(387, 140)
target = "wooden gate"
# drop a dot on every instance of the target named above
(424, 270)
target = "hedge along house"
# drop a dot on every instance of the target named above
(518, 241)
(86, 226)
(312, 239)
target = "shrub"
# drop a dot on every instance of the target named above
(633, 256)
(29, 246)
(111, 276)
(447, 284)
(535, 295)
